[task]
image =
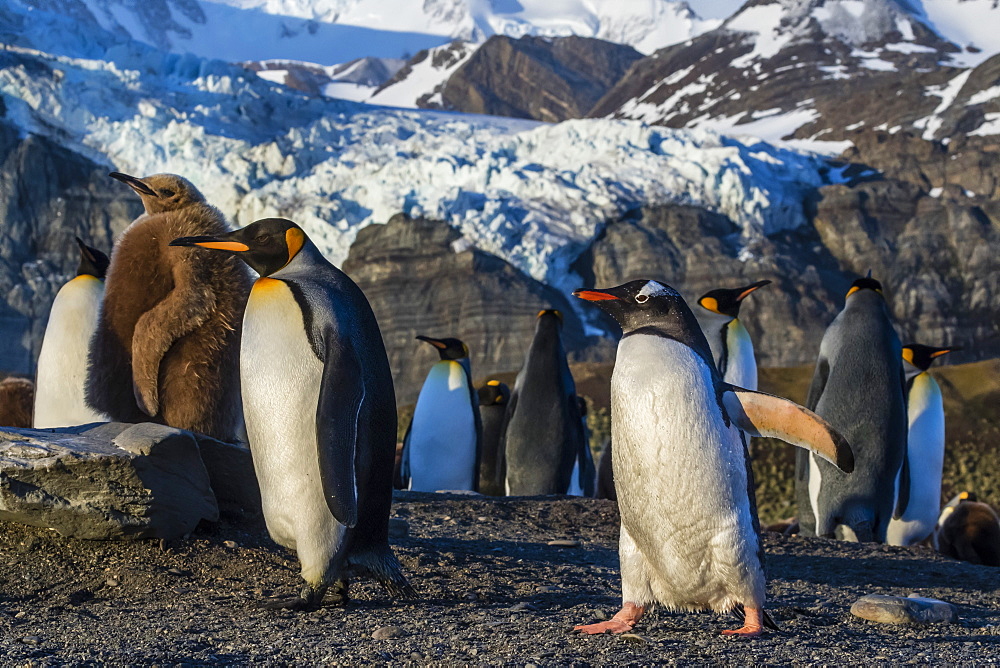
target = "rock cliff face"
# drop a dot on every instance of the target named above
(421, 279)
(534, 77)
(48, 195)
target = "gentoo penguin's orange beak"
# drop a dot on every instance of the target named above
(593, 295)
(212, 243)
(440, 345)
(134, 183)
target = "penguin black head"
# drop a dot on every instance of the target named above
(449, 349)
(493, 393)
(162, 192)
(866, 283)
(266, 245)
(645, 303)
(92, 261)
(922, 356)
(555, 313)
(727, 301)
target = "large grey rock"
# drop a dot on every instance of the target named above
(899, 610)
(109, 481)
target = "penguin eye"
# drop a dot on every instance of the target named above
(642, 299)
(261, 238)
(166, 192)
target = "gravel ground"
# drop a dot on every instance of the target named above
(494, 592)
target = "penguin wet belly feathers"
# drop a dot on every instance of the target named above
(924, 447)
(311, 347)
(166, 347)
(676, 428)
(729, 340)
(858, 387)
(60, 379)
(442, 445)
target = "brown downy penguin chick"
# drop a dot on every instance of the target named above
(167, 343)
(969, 531)
(17, 396)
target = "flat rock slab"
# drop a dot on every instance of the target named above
(899, 610)
(105, 481)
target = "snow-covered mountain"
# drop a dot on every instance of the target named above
(815, 70)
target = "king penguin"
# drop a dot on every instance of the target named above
(166, 347)
(969, 531)
(544, 433)
(729, 340)
(924, 448)
(493, 398)
(442, 445)
(62, 361)
(677, 429)
(320, 410)
(858, 387)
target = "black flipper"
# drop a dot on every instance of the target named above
(903, 496)
(404, 464)
(502, 454)
(478, 419)
(340, 399)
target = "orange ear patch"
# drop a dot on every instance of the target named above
(711, 303)
(295, 239)
(224, 245)
(908, 355)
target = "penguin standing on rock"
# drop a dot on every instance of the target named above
(442, 445)
(320, 410)
(493, 398)
(677, 429)
(544, 433)
(166, 347)
(62, 361)
(924, 448)
(858, 387)
(729, 340)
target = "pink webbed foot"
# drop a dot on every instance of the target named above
(623, 622)
(752, 626)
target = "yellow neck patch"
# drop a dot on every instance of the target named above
(266, 284)
(295, 239)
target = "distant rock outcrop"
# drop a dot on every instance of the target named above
(546, 79)
(422, 279)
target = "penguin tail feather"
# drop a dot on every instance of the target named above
(385, 569)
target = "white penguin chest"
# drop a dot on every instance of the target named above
(741, 365)
(62, 361)
(681, 476)
(281, 379)
(442, 446)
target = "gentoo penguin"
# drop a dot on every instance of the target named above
(493, 398)
(584, 477)
(729, 340)
(320, 410)
(969, 531)
(16, 397)
(62, 361)
(677, 433)
(924, 447)
(442, 445)
(166, 348)
(858, 387)
(544, 433)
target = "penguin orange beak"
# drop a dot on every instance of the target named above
(593, 295)
(440, 345)
(750, 288)
(943, 351)
(134, 183)
(212, 243)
